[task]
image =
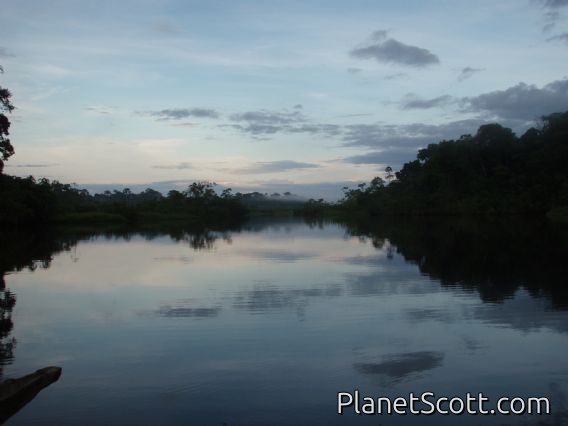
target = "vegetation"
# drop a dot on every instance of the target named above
(6, 148)
(492, 172)
(28, 202)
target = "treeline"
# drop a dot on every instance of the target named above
(491, 172)
(27, 202)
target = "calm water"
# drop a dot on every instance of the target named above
(265, 325)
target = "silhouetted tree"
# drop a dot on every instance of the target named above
(491, 172)
(201, 191)
(6, 148)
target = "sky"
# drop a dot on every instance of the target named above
(302, 96)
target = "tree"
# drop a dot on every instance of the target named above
(6, 148)
(201, 191)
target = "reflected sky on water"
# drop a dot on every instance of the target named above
(265, 325)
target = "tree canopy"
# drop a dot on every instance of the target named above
(493, 171)
(6, 148)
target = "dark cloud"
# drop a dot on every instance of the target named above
(402, 366)
(554, 4)
(265, 117)
(392, 157)
(266, 122)
(354, 70)
(180, 166)
(379, 35)
(389, 50)
(397, 144)
(560, 37)
(298, 106)
(516, 107)
(181, 113)
(414, 103)
(275, 167)
(552, 14)
(384, 136)
(522, 102)
(467, 72)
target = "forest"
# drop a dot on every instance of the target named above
(493, 172)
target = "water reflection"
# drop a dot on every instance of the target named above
(494, 258)
(398, 367)
(18, 252)
(181, 312)
(7, 302)
(265, 323)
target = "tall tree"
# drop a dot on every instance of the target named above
(6, 148)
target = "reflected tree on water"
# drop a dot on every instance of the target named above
(492, 258)
(19, 251)
(7, 343)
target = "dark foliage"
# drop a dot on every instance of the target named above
(28, 203)
(6, 148)
(491, 172)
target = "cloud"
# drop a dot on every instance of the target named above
(354, 70)
(552, 14)
(264, 122)
(398, 144)
(405, 135)
(31, 165)
(516, 107)
(468, 72)
(366, 114)
(522, 102)
(414, 103)
(393, 157)
(275, 167)
(5, 53)
(179, 166)
(100, 109)
(166, 28)
(269, 117)
(554, 4)
(560, 37)
(395, 76)
(181, 113)
(389, 50)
